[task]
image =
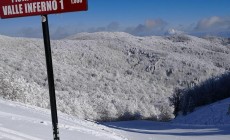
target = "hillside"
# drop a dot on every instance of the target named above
(109, 76)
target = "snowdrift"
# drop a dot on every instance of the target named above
(109, 76)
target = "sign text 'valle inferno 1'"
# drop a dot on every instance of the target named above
(22, 8)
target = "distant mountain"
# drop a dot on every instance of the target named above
(224, 34)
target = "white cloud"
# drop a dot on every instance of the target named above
(151, 24)
(150, 27)
(213, 23)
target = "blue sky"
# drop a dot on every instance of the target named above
(138, 17)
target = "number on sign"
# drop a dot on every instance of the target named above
(62, 4)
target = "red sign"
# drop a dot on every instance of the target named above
(22, 8)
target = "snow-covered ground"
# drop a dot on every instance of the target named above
(23, 122)
(211, 122)
(110, 76)
(213, 114)
(146, 130)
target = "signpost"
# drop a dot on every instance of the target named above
(22, 8)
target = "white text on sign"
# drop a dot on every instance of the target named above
(22, 8)
(32, 7)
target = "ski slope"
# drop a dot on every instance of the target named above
(23, 122)
(147, 130)
(211, 122)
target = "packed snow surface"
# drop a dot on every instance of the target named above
(211, 122)
(21, 122)
(24, 122)
(109, 76)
